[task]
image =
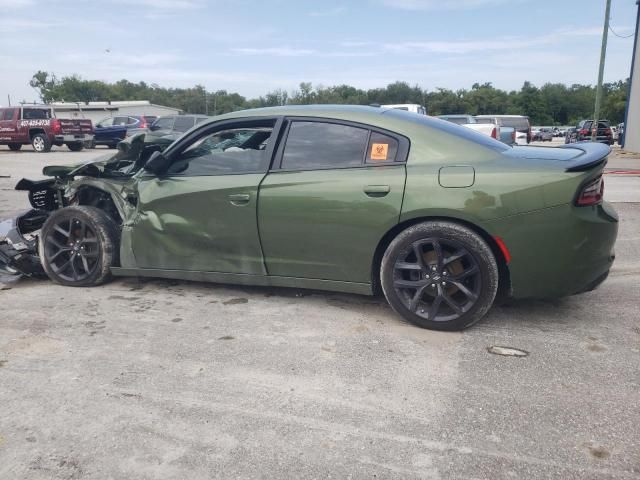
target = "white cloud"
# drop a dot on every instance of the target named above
(441, 4)
(166, 4)
(8, 4)
(275, 51)
(500, 43)
(328, 13)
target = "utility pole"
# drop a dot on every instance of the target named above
(206, 103)
(603, 52)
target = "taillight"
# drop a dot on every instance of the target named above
(494, 133)
(513, 136)
(143, 123)
(56, 128)
(584, 131)
(591, 193)
(607, 131)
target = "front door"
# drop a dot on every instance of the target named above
(201, 215)
(337, 191)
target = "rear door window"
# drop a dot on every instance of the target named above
(8, 114)
(120, 121)
(316, 145)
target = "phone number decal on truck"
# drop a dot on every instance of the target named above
(34, 123)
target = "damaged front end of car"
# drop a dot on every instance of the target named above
(104, 183)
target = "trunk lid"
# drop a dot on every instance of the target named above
(574, 157)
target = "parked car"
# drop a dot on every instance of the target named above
(546, 134)
(37, 125)
(519, 122)
(507, 134)
(536, 134)
(491, 130)
(604, 134)
(112, 130)
(570, 135)
(438, 218)
(172, 124)
(408, 107)
(620, 134)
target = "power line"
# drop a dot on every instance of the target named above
(618, 35)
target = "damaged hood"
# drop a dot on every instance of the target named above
(130, 157)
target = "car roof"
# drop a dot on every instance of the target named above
(399, 121)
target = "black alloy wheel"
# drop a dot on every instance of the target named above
(439, 280)
(439, 275)
(72, 249)
(79, 245)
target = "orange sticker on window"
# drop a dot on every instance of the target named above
(379, 151)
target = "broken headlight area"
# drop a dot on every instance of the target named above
(19, 243)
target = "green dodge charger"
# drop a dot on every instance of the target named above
(439, 219)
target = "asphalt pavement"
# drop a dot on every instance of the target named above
(157, 379)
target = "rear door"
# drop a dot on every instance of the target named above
(335, 189)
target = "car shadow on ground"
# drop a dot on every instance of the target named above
(542, 314)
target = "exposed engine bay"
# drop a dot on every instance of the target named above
(100, 183)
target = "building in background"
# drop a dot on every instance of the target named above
(97, 111)
(631, 141)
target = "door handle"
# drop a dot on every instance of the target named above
(377, 190)
(239, 199)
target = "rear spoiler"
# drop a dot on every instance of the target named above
(593, 154)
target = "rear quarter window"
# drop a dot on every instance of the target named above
(381, 148)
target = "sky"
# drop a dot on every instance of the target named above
(252, 47)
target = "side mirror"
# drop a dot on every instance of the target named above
(157, 163)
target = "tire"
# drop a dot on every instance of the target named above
(78, 246)
(451, 286)
(75, 146)
(14, 147)
(111, 145)
(40, 143)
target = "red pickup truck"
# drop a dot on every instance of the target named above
(38, 126)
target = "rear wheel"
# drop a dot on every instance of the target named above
(78, 246)
(439, 275)
(40, 143)
(75, 146)
(14, 147)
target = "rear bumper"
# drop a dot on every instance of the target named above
(559, 251)
(72, 138)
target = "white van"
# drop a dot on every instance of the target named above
(409, 107)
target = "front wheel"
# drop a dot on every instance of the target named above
(439, 275)
(78, 246)
(75, 146)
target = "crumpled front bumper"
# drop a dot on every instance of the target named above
(19, 243)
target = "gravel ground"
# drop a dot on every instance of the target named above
(172, 380)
